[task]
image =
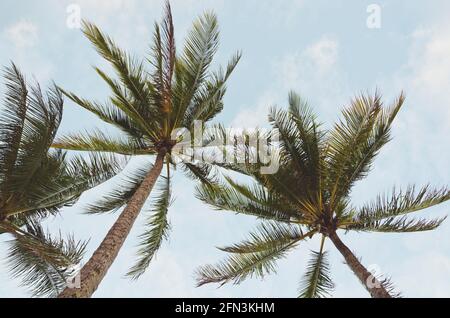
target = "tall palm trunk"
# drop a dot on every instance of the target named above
(372, 284)
(96, 268)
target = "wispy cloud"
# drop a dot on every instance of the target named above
(313, 72)
(22, 34)
(323, 54)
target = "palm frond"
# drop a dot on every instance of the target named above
(42, 119)
(144, 117)
(42, 262)
(401, 203)
(97, 141)
(258, 202)
(291, 144)
(120, 194)
(398, 225)
(282, 185)
(363, 156)
(316, 282)
(268, 236)
(60, 183)
(157, 230)
(12, 119)
(108, 113)
(163, 60)
(130, 71)
(208, 101)
(220, 148)
(239, 267)
(347, 142)
(200, 172)
(300, 136)
(300, 155)
(199, 50)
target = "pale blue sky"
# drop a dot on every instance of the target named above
(322, 49)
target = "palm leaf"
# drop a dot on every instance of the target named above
(239, 267)
(146, 119)
(13, 119)
(208, 102)
(163, 60)
(47, 193)
(316, 282)
(120, 194)
(199, 50)
(199, 172)
(402, 202)
(43, 117)
(131, 72)
(364, 156)
(268, 236)
(97, 141)
(226, 198)
(108, 113)
(398, 225)
(157, 231)
(346, 141)
(42, 262)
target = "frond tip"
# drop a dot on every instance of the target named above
(268, 236)
(317, 282)
(403, 202)
(43, 262)
(157, 231)
(239, 267)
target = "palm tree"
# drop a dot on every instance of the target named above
(35, 183)
(148, 106)
(310, 195)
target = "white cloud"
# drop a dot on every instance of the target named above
(22, 34)
(323, 54)
(278, 12)
(255, 116)
(425, 75)
(313, 72)
(105, 6)
(318, 60)
(20, 37)
(431, 65)
(425, 275)
(424, 78)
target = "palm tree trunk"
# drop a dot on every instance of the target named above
(96, 268)
(372, 284)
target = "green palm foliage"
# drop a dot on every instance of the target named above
(310, 195)
(150, 99)
(36, 183)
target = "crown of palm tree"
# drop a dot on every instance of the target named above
(148, 104)
(36, 183)
(310, 193)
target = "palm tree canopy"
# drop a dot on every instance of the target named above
(149, 104)
(36, 182)
(151, 99)
(310, 193)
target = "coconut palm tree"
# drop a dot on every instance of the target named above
(310, 196)
(148, 106)
(35, 183)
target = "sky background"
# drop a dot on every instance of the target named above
(322, 49)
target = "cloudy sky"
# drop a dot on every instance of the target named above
(327, 52)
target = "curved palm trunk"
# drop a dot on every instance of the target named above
(96, 268)
(373, 285)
